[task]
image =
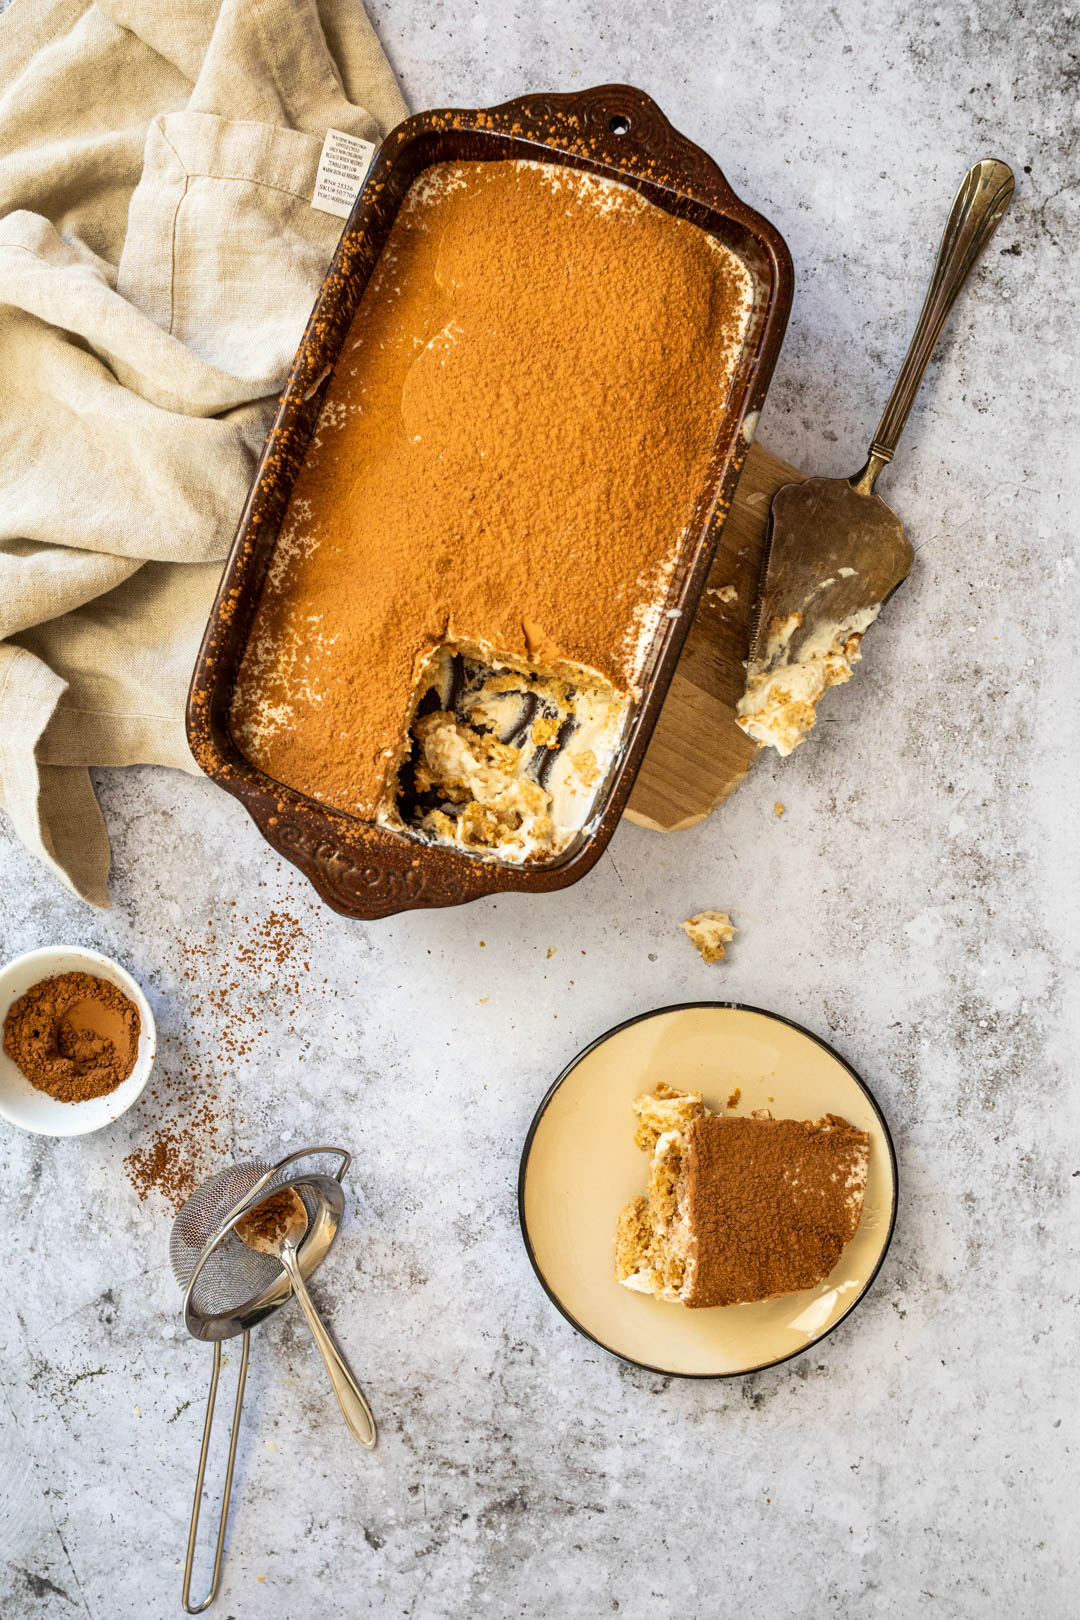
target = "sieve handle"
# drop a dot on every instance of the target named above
(354, 1408)
(215, 1577)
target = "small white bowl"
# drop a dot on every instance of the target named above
(33, 1110)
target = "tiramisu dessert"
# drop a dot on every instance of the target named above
(480, 546)
(740, 1208)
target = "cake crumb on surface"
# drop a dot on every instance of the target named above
(709, 932)
(778, 808)
(545, 732)
(733, 1100)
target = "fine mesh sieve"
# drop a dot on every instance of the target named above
(233, 1277)
(228, 1287)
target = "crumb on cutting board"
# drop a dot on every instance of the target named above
(709, 932)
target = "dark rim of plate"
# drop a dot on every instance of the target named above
(616, 1029)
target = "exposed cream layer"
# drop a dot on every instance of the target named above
(653, 1242)
(504, 761)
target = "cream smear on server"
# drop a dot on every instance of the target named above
(779, 705)
(463, 669)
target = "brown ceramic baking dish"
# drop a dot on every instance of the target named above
(358, 867)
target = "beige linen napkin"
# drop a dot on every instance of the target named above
(159, 256)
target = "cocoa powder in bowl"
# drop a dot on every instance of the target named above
(73, 1036)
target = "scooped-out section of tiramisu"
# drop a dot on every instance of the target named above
(503, 760)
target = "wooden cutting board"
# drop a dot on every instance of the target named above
(698, 755)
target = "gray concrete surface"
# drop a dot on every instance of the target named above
(917, 905)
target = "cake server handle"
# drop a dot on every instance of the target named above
(354, 1408)
(985, 193)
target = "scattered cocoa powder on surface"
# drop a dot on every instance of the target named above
(241, 982)
(179, 1153)
(74, 1036)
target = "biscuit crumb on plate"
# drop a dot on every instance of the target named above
(709, 932)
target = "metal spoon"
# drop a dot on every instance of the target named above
(835, 552)
(277, 1226)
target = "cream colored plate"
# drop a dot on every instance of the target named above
(580, 1167)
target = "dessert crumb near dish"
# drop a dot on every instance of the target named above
(778, 808)
(710, 932)
(733, 1099)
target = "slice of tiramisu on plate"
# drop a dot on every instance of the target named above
(738, 1209)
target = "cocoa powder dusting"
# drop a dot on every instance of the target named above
(269, 1221)
(508, 455)
(771, 1203)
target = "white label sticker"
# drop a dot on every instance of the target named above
(344, 162)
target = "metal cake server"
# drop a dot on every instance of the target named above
(834, 552)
